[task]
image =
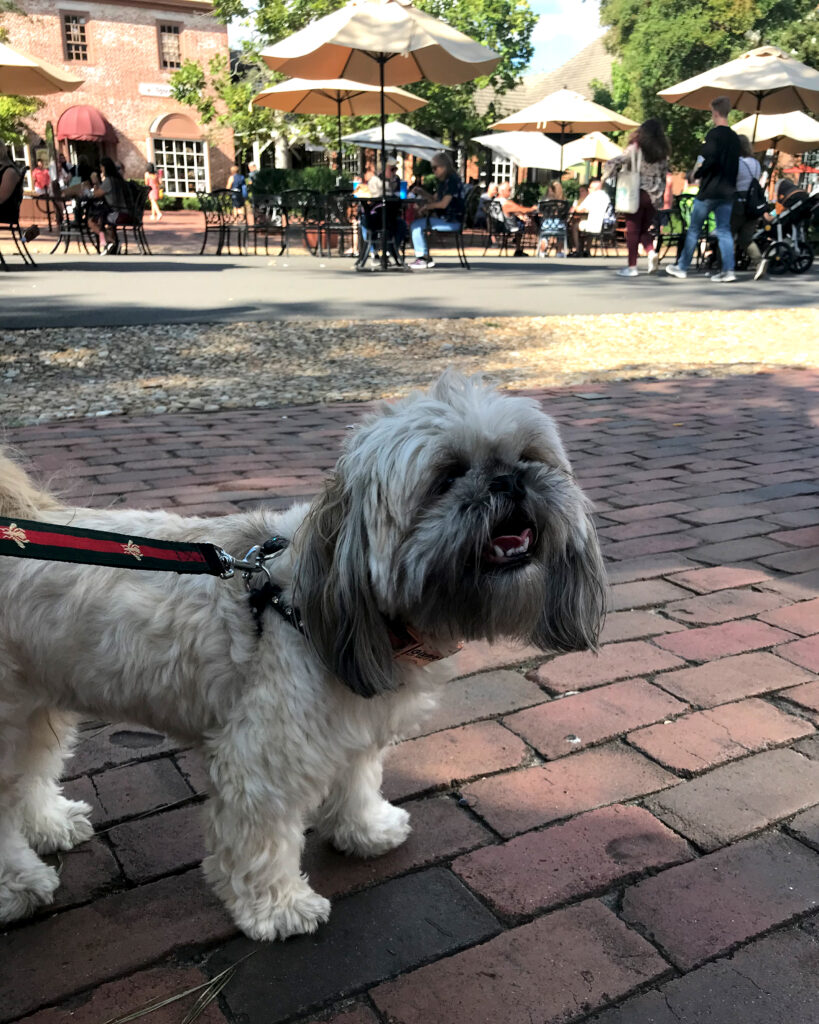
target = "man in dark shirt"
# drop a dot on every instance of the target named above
(443, 213)
(717, 174)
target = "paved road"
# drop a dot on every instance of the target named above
(93, 291)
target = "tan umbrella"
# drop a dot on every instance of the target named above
(594, 146)
(336, 96)
(762, 81)
(788, 133)
(564, 113)
(27, 76)
(383, 42)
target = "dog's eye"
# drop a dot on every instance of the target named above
(448, 477)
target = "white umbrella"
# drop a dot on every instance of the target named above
(762, 81)
(594, 146)
(788, 133)
(526, 149)
(397, 136)
(27, 76)
(336, 96)
(564, 113)
(384, 42)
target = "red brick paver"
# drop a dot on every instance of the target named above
(707, 510)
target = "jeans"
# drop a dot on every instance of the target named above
(721, 209)
(419, 226)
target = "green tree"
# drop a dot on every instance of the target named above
(221, 95)
(504, 25)
(661, 42)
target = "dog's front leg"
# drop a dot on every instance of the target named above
(256, 837)
(355, 817)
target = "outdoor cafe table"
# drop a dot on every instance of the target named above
(368, 204)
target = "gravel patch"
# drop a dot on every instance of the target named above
(52, 374)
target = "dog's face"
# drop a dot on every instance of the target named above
(453, 512)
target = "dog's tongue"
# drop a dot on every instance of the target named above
(512, 542)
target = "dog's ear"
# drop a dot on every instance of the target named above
(334, 594)
(574, 600)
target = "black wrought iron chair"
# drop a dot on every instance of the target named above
(456, 233)
(269, 221)
(211, 211)
(499, 230)
(137, 198)
(302, 206)
(10, 222)
(72, 224)
(554, 225)
(338, 229)
(234, 222)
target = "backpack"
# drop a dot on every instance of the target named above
(755, 202)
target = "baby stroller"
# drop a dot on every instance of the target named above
(783, 240)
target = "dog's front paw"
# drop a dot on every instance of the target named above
(58, 825)
(24, 887)
(387, 828)
(298, 913)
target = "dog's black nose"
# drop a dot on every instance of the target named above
(507, 483)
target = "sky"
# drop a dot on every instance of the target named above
(564, 27)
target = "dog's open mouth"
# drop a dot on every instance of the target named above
(512, 541)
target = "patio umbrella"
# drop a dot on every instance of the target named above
(788, 133)
(564, 113)
(525, 149)
(336, 96)
(27, 76)
(398, 136)
(594, 146)
(383, 42)
(762, 81)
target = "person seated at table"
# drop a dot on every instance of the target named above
(376, 186)
(488, 194)
(595, 206)
(10, 195)
(515, 215)
(40, 179)
(109, 203)
(555, 190)
(443, 213)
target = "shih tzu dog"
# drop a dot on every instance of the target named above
(451, 515)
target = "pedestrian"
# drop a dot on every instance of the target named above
(717, 172)
(743, 221)
(237, 186)
(648, 152)
(41, 179)
(153, 179)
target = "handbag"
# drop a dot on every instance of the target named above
(756, 202)
(627, 193)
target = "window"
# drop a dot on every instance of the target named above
(504, 170)
(183, 165)
(170, 52)
(351, 160)
(76, 42)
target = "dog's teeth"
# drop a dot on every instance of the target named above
(525, 545)
(499, 551)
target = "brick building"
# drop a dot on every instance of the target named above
(126, 51)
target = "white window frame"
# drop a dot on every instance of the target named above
(504, 170)
(170, 180)
(22, 156)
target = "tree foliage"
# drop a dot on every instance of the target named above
(661, 42)
(504, 25)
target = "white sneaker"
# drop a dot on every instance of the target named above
(725, 277)
(675, 271)
(761, 270)
(653, 262)
(627, 272)
(421, 264)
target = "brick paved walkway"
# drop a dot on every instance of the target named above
(634, 835)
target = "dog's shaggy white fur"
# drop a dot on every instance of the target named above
(453, 512)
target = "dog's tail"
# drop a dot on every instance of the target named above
(19, 494)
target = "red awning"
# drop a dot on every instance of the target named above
(85, 124)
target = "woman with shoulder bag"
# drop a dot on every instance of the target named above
(743, 216)
(641, 183)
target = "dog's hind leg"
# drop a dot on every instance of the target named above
(49, 820)
(355, 817)
(25, 881)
